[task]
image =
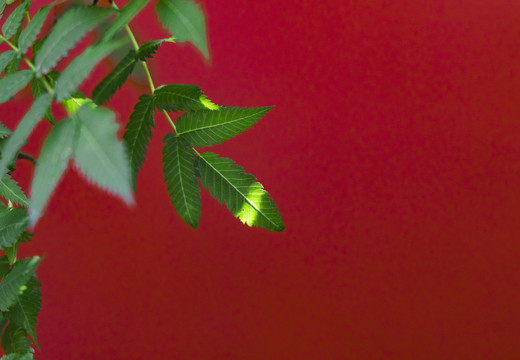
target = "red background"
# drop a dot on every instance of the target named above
(393, 153)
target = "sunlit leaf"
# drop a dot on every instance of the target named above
(179, 174)
(138, 133)
(184, 20)
(206, 128)
(69, 29)
(99, 155)
(243, 196)
(57, 149)
(115, 79)
(179, 97)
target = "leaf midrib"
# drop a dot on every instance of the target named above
(216, 125)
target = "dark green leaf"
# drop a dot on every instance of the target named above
(99, 155)
(243, 196)
(11, 253)
(15, 340)
(31, 31)
(69, 29)
(28, 356)
(14, 21)
(39, 89)
(4, 266)
(13, 66)
(179, 174)
(138, 133)
(15, 282)
(179, 97)
(54, 159)
(10, 190)
(184, 20)
(4, 132)
(113, 81)
(81, 67)
(126, 15)
(23, 130)
(12, 224)
(6, 58)
(206, 128)
(12, 83)
(26, 308)
(147, 50)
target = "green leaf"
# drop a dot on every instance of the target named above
(26, 308)
(15, 282)
(4, 132)
(4, 266)
(13, 66)
(69, 29)
(179, 174)
(31, 31)
(80, 68)
(12, 224)
(6, 58)
(14, 340)
(126, 15)
(39, 89)
(147, 50)
(24, 128)
(28, 356)
(243, 196)
(2, 8)
(99, 155)
(179, 97)
(206, 128)
(115, 79)
(184, 20)
(10, 190)
(11, 253)
(138, 133)
(12, 83)
(54, 159)
(14, 21)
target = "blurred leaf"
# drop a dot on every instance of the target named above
(14, 21)
(5, 58)
(12, 83)
(126, 15)
(31, 31)
(184, 20)
(14, 340)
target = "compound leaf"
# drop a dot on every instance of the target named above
(126, 15)
(54, 159)
(206, 128)
(12, 224)
(99, 155)
(115, 79)
(26, 308)
(243, 196)
(69, 29)
(10, 190)
(138, 133)
(184, 20)
(14, 21)
(12, 83)
(15, 282)
(5, 59)
(24, 128)
(148, 49)
(179, 97)
(31, 31)
(179, 174)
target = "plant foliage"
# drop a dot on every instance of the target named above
(88, 135)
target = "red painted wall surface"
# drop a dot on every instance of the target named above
(394, 155)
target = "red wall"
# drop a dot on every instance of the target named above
(394, 155)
